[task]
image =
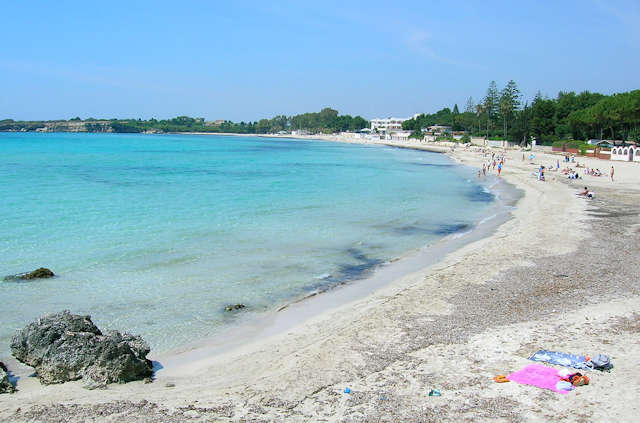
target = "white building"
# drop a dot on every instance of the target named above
(388, 124)
(399, 136)
(629, 153)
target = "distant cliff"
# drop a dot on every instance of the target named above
(152, 126)
(56, 126)
(326, 121)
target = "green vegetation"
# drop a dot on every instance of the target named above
(417, 134)
(326, 121)
(500, 115)
(581, 146)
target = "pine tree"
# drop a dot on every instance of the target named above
(471, 106)
(509, 102)
(454, 113)
(490, 103)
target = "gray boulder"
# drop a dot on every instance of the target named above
(64, 346)
(5, 384)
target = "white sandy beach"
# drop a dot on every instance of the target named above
(480, 312)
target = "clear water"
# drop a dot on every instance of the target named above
(155, 234)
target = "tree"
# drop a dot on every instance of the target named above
(455, 113)
(542, 112)
(470, 106)
(509, 102)
(521, 130)
(417, 134)
(479, 111)
(490, 104)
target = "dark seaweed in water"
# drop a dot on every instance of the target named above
(480, 195)
(433, 164)
(450, 228)
(348, 272)
(411, 230)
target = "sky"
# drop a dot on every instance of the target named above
(247, 60)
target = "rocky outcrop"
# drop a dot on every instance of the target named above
(64, 346)
(39, 273)
(5, 384)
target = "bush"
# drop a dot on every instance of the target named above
(417, 134)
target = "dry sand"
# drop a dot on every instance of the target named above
(562, 274)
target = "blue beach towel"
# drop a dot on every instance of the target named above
(562, 359)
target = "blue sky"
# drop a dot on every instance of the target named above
(248, 60)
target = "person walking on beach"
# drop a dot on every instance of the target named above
(612, 170)
(499, 168)
(484, 170)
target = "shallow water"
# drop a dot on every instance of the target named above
(155, 234)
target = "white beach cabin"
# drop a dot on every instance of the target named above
(627, 153)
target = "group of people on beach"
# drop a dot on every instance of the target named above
(569, 172)
(498, 160)
(495, 160)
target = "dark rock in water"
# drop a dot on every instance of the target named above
(5, 384)
(39, 273)
(64, 346)
(232, 307)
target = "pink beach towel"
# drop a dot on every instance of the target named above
(540, 376)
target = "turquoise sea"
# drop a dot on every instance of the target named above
(155, 234)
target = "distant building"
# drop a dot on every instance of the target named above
(388, 124)
(626, 153)
(399, 136)
(215, 122)
(439, 129)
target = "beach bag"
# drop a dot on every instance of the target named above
(601, 362)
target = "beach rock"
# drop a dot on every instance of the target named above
(232, 307)
(39, 273)
(64, 346)
(5, 385)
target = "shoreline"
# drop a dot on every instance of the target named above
(439, 147)
(262, 325)
(290, 314)
(413, 334)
